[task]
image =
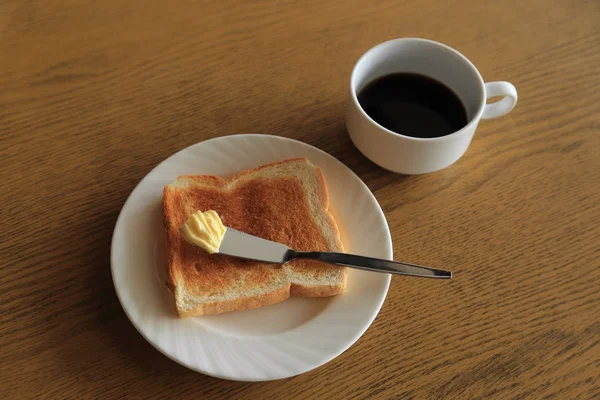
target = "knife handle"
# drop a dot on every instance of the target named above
(372, 264)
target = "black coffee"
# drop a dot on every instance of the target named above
(413, 105)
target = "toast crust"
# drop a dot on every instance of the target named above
(285, 201)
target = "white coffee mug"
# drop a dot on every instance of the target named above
(411, 155)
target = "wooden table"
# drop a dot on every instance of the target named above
(96, 93)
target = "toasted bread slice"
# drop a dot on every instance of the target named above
(286, 202)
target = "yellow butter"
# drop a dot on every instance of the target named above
(204, 229)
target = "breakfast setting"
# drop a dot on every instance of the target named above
(198, 207)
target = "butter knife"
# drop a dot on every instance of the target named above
(243, 245)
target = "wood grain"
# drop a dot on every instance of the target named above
(95, 94)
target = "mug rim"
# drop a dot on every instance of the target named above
(474, 120)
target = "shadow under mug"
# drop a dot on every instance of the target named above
(412, 155)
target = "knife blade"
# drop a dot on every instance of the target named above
(243, 245)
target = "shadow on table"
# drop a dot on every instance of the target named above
(337, 142)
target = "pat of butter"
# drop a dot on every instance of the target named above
(204, 229)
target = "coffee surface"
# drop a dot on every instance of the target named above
(413, 105)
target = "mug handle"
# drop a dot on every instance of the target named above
(500, 107)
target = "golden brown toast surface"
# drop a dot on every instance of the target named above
(285, 202)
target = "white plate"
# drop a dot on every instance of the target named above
(273, 342)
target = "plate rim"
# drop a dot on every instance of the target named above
(330, 356)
